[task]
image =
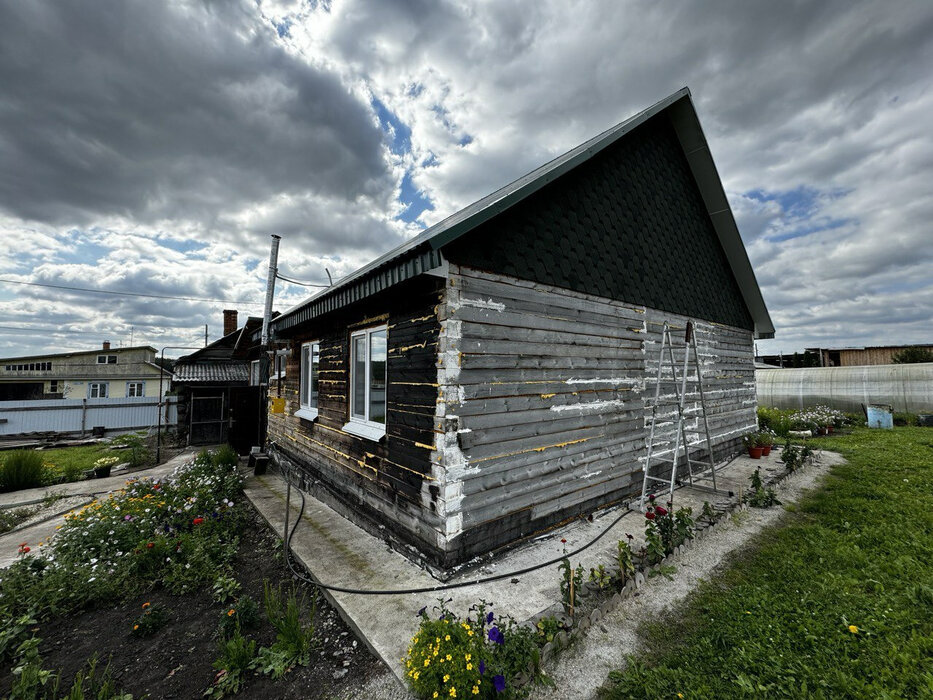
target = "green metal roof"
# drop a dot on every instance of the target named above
(424, 252)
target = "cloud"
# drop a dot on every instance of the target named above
(158, 145)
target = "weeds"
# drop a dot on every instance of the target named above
(293, 642)
(21, 469)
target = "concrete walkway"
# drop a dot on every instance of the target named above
(339, 553)
(89, 489)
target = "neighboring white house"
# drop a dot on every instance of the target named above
(89, 374)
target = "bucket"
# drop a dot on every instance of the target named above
(880, 416)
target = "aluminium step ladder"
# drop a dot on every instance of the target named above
(680, 383)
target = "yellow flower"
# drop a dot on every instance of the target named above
(417, 673)
(680, 695)
(448, 657)
(427, 662)
(475, 690)
(468, 657)
(453, 692)
(469, 667)
(446, 677)
(435, 694)
(447, 638)
(853, 629)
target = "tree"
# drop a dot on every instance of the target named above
(913, 354)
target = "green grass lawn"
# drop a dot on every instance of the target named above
(72, 462)
(836, 603)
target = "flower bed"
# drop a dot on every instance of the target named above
(177, 532)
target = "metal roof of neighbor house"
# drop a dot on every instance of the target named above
(77, 353)
(211, 373)
(423, 252)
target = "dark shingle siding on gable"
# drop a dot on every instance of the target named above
(629, 224)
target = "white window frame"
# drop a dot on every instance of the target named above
(362, 426)
(308, 408)
(254, 378)
(91, 390)
(142, 389)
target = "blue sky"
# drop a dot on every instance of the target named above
(347, 127)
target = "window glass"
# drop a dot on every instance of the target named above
(377, 376)
(315, 367)
(134, 389)
(358, 400)
(305, 370)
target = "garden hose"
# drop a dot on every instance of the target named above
(439, 587)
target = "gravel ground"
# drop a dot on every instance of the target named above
(580, 670)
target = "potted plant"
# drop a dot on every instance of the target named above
(764, 440)
(103, 466)
(751, 444)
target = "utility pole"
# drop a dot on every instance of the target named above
(265, 349)
(205, 335)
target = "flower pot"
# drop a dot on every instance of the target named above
(102, 472)
(754, 452)
(765, 450)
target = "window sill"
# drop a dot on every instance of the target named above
(307, 413)
(369, 431)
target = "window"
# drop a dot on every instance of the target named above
(308, 380)
(135, 389)
(254, 373)
(55, 387)
(106, 359)
(98, 390)
(368, 383)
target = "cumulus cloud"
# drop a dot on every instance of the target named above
(156, 146)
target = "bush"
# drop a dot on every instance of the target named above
(152, 619)
(480, 657)
(22, 469)
(136, 450)
(225, 456)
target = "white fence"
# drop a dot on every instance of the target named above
(82, 416)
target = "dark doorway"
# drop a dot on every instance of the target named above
(208, 417)
(244, 417)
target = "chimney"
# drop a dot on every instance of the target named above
(106, 345)
(230, 323)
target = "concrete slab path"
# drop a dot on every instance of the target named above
(88, 489)
(339, 553)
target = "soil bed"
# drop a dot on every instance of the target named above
(176, 662)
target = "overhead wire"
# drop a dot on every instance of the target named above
(131, 294)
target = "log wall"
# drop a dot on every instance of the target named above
(385, 484)
(542, 413)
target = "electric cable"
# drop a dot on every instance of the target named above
(301, 284)
(439, 587)
(130, 294)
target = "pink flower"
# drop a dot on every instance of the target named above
(649, 515)
(661, 510)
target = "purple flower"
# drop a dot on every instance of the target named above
(499, 683)
(482, 667)
(127, 517)
(421, 612)
(496, 636)
(489, 618)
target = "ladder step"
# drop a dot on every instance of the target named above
(663, 481)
